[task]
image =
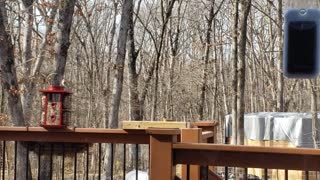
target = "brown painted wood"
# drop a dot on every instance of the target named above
(205, 124)
(163, 131)
(193, 135)
(206, 135)
(247, 156)
(214, 176)
(76, 135)
(153, 124)
(81, 135)
(235, 148)
(209, 134)
(12, 129)
(208, 126)
(161, 159)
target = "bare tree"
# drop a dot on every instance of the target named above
(235, 70)
(244, 13)
(135, 108)
(165, 15)
(10, 84)
(206, 57)
(118, 66)
(174, 35)
(118, 76)
(107, 94)
(27, 96)
(280, 79)
(46, 40)
(315, 123)
(65, 11)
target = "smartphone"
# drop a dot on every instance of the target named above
(301, 43)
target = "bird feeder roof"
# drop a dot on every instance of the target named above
(56, 89)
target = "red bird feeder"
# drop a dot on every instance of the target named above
(56, 104)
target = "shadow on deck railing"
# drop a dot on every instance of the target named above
(193, 148)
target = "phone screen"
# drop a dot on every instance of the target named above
(302, 47)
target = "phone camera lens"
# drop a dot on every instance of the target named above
(303, 12)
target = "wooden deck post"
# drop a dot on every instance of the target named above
(191, 136)
(208, 126)
(212, 127)
(161, 156)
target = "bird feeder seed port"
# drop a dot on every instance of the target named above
(56, 107)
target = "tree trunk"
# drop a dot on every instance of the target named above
(119, 65)
(245, 10)
(11, 88)
(106, 94)
(269, 57)
(118, 77)
(66, 10)
(170, 84)
(315, 124)
(45, 41)
(280, 79)
(8, 71)
(107, 88)
(27, 95)
(29, 84)
(223, 80)
(174, 47)
(234, 58)
(206, 61)
(165, 17)
(134, 102)
(2, 101)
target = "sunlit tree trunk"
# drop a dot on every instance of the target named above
(207, 47)
(315, 124)
(9, 84)
(118, 77)
(280, 79)
(107, 90)
(135, 109)
(206, 61)
(27, 94)
(66, 10)
(244, 13)
(174, 40)
(234, 58)
(223, 79)
(166, 14)
(134, 102)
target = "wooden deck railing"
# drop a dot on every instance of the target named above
(58, 140)
(194, 149)
(247, 156)
(81, 135)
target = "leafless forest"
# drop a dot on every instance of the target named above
(179, 60)
(146, 60)
(182, 60)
